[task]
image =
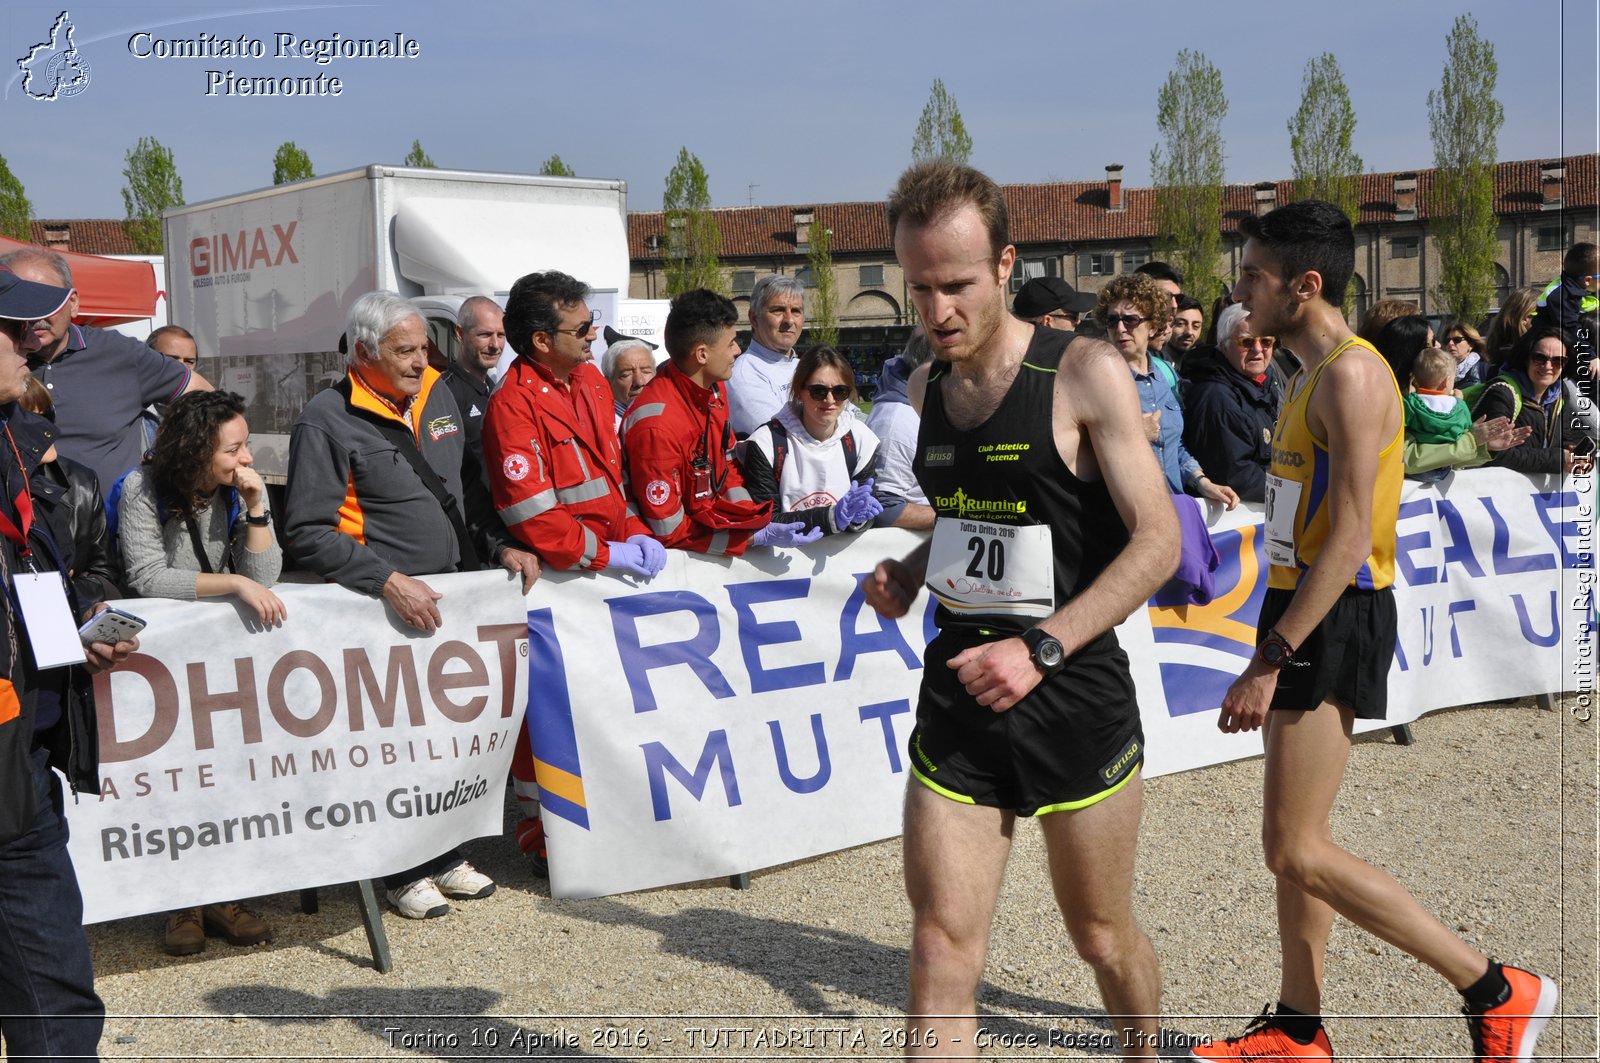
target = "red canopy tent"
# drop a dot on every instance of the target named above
(110, 290)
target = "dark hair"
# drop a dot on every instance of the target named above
(930, 191)
(1400, 342)
(535, 305)
(15, 329)
(168, 330)
(1522, 350)
(1380, 313)
(185, 443)
(1310, 234)
(820, 357)
(1581, 259)
(1189, 302)
(695, 318)
(1162, 271)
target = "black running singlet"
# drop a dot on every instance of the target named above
(990, 484)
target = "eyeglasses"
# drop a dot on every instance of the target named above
(1555, 361)
(819, 392)
(1451, 341)
(581, 330)
(1127, 321)
(1266, 343)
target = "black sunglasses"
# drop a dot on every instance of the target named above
(583, 329)
(818, 392)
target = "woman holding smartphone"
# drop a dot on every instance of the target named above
(193, 523)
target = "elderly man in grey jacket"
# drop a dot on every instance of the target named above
(380, 494)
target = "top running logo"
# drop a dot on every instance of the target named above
(54, 68)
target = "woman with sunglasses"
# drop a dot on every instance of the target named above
(1131, 308)
(1531, 392)
(1463, 343)
(816, 459)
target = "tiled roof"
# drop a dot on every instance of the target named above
(87, 236)
(1076, 212)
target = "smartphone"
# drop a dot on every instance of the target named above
(110, 626)
(1583, 447)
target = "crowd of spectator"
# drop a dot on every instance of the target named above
(558, 461)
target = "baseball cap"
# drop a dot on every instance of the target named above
(1042, 295)
(23, 300)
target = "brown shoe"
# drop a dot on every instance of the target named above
(185, 935)
(238, 924)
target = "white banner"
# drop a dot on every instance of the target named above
(338, 746)
(726, 716)
(732, 716)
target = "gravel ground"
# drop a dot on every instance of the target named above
(1489, 819)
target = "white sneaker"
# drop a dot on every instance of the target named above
(419, 900)
(464, 881)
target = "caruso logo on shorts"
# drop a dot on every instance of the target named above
(966, 506)
(1124, 760)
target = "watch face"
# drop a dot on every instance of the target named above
(1272, 652)
(1050, 653)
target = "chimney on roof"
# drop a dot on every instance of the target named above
(1405, 197)
(1266, 196)
(803, 216)
(57, 237)
(1553, 180)
(1114, 186)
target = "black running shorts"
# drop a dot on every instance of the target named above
(1345, 660)
(1073, 740)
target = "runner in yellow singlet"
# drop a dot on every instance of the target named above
(1326, 639)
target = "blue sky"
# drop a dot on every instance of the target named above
(808, 103)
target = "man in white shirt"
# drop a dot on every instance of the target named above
(762, 376)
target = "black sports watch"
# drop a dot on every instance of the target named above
(261, 521)
(1274, 650)
(1046, 650)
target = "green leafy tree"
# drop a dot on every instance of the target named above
(290, 164)
(417, 157)
(1464, 119)
(152, 185)
(693, 239)
(1186, 168)
(16, 213)
(941, 134)
(1320, 136)
(822, 316)
(555, 167)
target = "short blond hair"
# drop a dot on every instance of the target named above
(1434, 368)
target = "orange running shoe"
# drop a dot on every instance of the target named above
(1264, 1041)
(1508, 1032)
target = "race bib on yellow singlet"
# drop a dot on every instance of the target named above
(1283, 502)
(975, 567)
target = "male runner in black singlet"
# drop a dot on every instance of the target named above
(1053, 525)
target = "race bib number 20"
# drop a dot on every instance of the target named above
(975, 567)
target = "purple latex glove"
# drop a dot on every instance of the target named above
(629, 557)
(857, 506)
(781, 534)
(655, 555)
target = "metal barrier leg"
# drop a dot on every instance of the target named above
(1547, 702)
(308, 901)
(372, 918)
(740, 881)
(1402, 735)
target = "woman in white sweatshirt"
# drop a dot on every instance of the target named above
(815, 460)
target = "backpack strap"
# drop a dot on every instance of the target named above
(850, 455)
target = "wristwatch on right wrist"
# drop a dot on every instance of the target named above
(1274, 650)
(1049, 656)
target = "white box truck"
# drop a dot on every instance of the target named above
(265, 279)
